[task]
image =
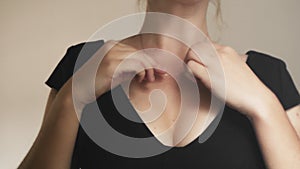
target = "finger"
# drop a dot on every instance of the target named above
(204, 53)
(159, 71)
(188, 73)
(149, 65)
(193, 56)
(141, 76)
(142, 70)
(200, 72)
(150, 75)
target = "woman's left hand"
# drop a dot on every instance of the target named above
(244, 91)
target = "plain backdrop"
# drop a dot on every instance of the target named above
(35, 34)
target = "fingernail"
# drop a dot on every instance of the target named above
(152, 79)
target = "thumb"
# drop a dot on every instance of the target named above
(200, 71)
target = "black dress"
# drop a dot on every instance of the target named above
(233, 145)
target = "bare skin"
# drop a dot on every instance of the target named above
(54, 145)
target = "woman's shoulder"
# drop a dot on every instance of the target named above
(263, 60)
(79, 53)
(91, 46)
(267, 67)
(273, 72)
(75, 56)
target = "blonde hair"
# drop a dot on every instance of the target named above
(217, 4)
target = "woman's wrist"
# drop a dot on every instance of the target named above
(65, 100)
(266, 106)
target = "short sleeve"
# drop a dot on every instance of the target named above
(273, 72)
(289, 92)
(65, 68)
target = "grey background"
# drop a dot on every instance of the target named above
(35, 35)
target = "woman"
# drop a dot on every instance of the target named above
(258, 129)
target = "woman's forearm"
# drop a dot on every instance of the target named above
(278, 139)
(54, 145)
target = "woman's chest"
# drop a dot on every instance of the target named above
(173, 119)
(232, 145)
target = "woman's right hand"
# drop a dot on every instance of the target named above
(113, 53)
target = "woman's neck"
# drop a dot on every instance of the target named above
(194, 12)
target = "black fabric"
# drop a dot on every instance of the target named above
(273, 72)
(232, 146)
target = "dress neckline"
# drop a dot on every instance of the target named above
(123, 93)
